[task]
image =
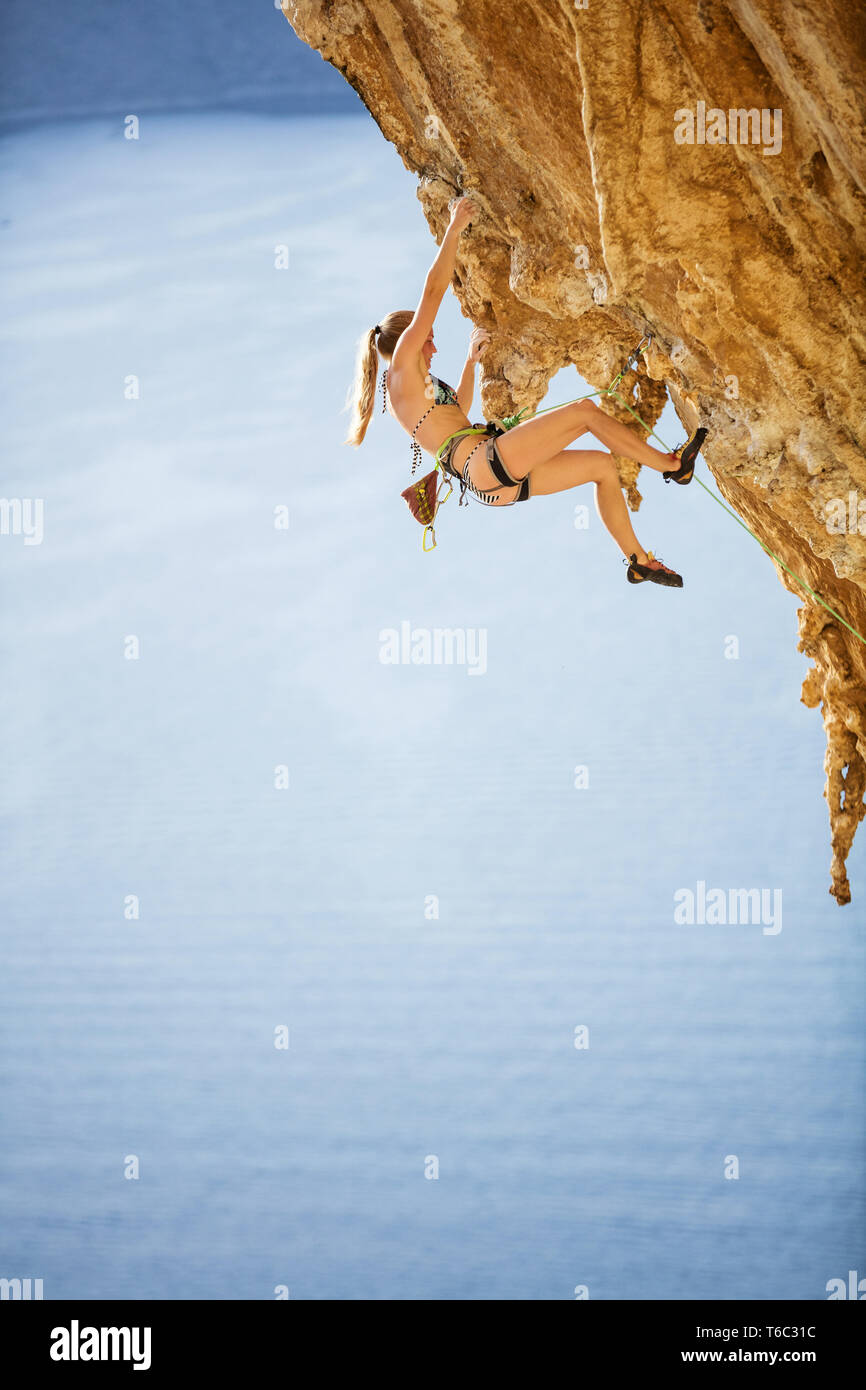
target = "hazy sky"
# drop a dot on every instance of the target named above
(58, 60)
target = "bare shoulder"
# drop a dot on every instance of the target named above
(406, 398)
(405, 378)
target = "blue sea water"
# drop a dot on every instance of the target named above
(435, 906)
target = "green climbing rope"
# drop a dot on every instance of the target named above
(801, 582)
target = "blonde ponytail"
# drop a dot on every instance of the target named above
(362, 392)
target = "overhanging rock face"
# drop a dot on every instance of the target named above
(697, 171)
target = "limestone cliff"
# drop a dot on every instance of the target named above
(625, 189)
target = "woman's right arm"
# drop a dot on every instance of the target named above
(439, 275)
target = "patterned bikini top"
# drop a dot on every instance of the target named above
(443, 394)
(439, 392)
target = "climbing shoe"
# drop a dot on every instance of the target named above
(653, 571)
(686, 457)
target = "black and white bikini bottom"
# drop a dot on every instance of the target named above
(490, 496)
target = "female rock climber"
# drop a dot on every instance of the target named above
(500, 468)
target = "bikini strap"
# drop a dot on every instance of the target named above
(416, 447)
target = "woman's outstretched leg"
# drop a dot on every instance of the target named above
(539, 440)
(625, 440)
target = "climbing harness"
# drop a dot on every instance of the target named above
(508, 422)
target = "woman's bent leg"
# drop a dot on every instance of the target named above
(571, 468)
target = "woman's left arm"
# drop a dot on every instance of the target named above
(466, 389)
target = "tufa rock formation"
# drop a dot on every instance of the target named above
(695, 171)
